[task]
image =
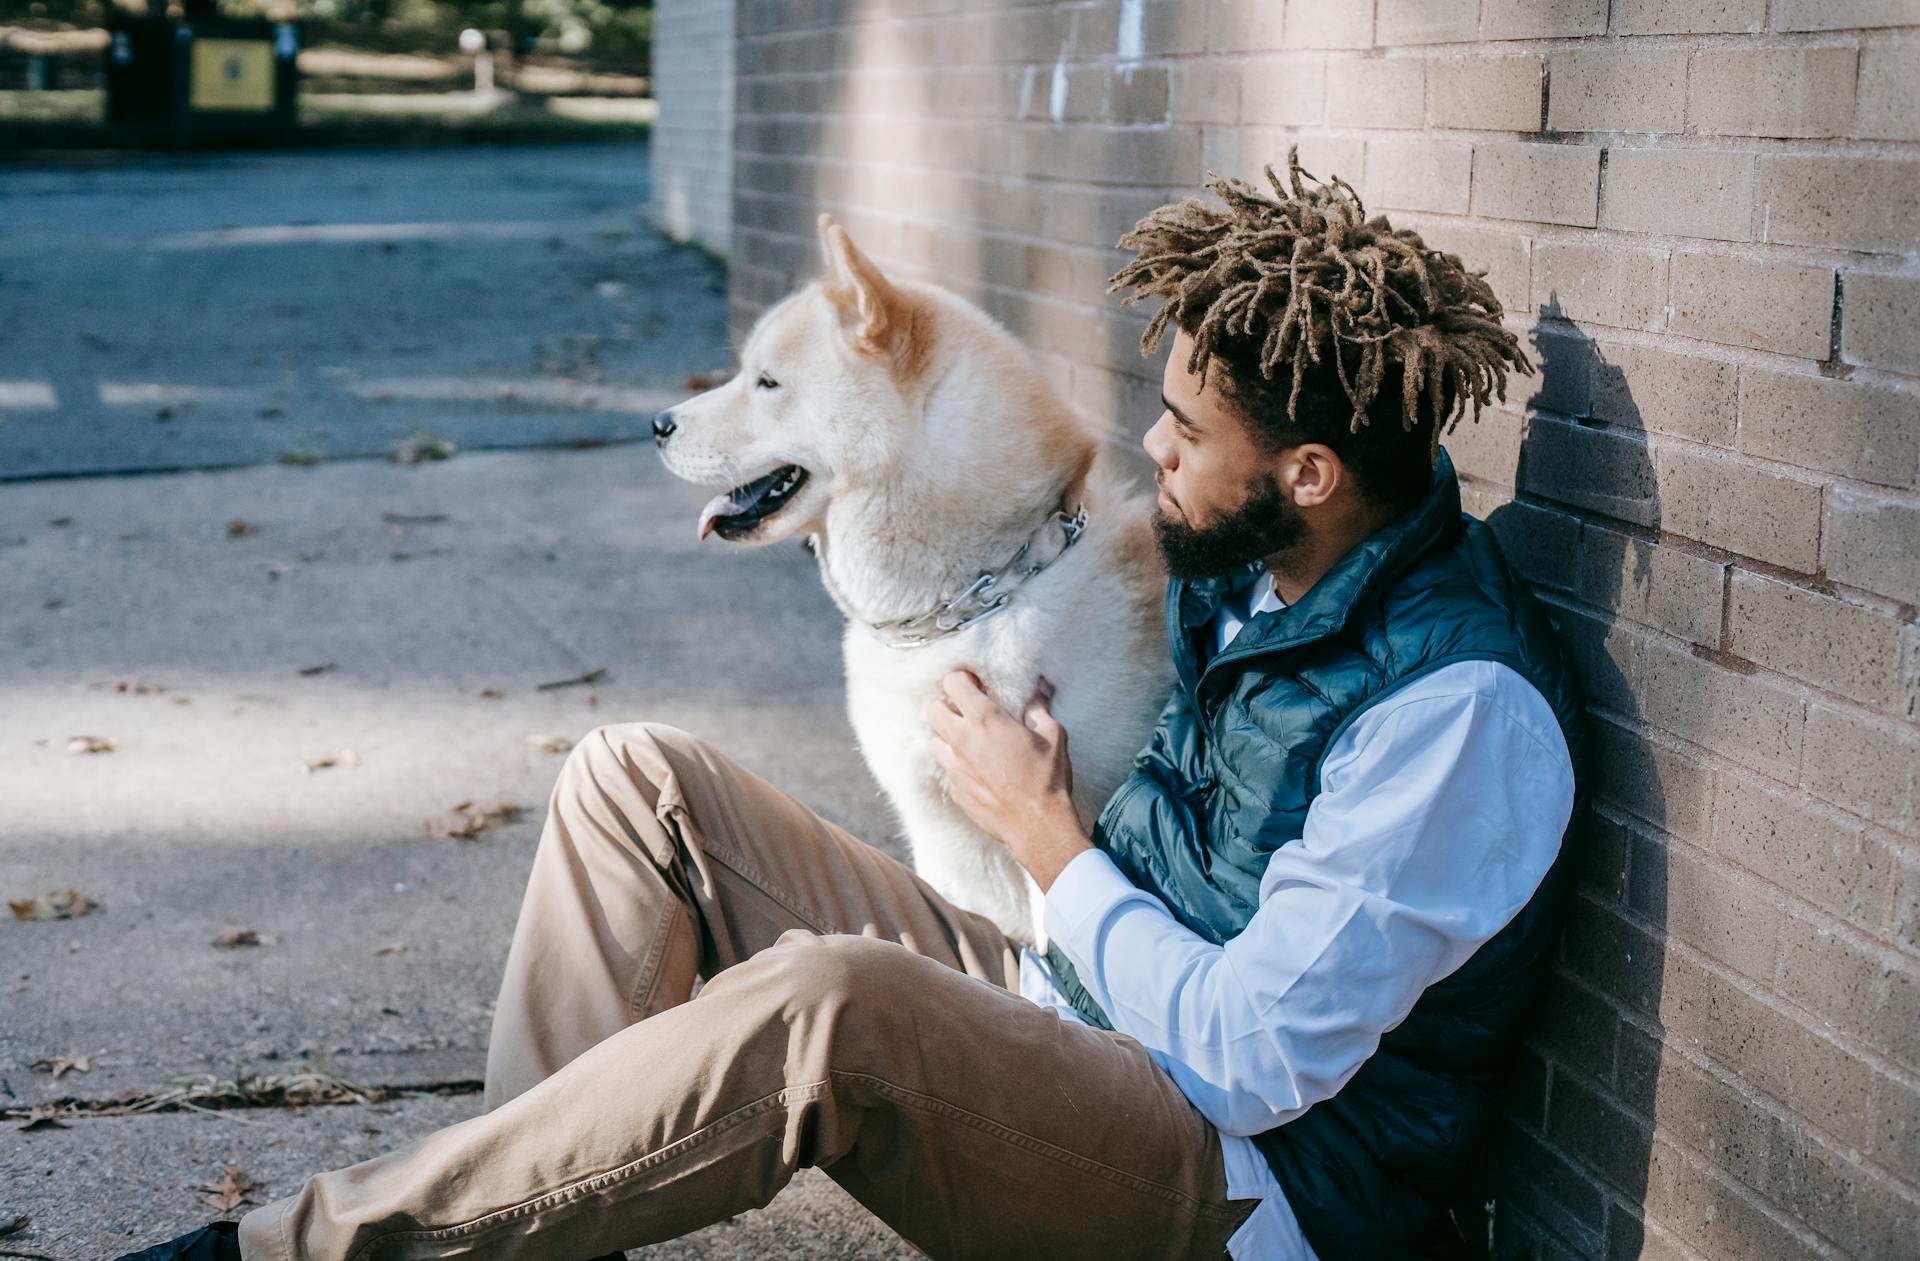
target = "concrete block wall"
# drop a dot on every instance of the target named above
(692, 142)
(1703, 217)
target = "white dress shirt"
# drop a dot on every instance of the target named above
(1440, 810)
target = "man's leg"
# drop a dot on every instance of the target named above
(663, 860)
(974, 1122)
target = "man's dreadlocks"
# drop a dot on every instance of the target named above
(1303, 280)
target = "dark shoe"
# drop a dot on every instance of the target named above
(218, 1242)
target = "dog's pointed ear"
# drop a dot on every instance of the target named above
(875, 315)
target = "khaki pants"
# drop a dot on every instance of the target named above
(850, 1019)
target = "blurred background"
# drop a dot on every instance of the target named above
(367, 70)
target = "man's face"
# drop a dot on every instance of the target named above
(1221, 502)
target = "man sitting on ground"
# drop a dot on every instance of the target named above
(1286, 969)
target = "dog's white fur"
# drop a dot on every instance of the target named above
(934, 448)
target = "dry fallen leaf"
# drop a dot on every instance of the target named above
(470, 821)
(236, 528)
(90, 744)
(307, 672)
(423, 446)
(550, 744)
(391, 948)
(235, 938)
(44, 1118)
(61, 1065)
(135, 687)
(54, 904)
(232, 1190)
(345, 757)
(491, 693)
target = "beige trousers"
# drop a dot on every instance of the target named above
(850, 1019)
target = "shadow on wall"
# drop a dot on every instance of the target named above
(1581, 1059)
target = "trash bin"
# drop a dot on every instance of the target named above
(201, 77)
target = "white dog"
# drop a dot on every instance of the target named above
(961, 517)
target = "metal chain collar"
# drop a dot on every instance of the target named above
(989, 593)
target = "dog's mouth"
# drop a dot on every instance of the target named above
(740, 511)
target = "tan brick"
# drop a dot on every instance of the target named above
(1243, 151)
(1207, 90)
(1880, 321)
(1545, 183)
(1773, 91)
(1745, 718)
(1241, 26)
(1503, 253)
(1889, 108)
(1772, 1049)
(1328, 24)
(1602, 470)
(1563, 360)
(1652, 777)
(1828, 642)
(1759, 304)
(1137, 94)
(1542, 19)
(1377, 92)
(1852, 202)
(1624, 288)
(1862, 764)
(1870, 541)
(1896, 1124)
(1747, 508)
(1607, 655)
(1422, 174)
(1730, 917)
(1283, 91)
(1617, 89)
(1838, 15)
(1095, 155)
(1665, 391)
(1691, 192)
(1425, 21)
(1854, 984)
(1553, 1189)
(1538, 541)
(1846, 427)
(1489, 449)
(1905, 921)
(1658, 586)
(1484, 93)
(1756, 1143)
(1686, 17)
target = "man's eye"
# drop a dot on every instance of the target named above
(766, 382)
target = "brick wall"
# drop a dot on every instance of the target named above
(1703, 216)
(692, 155)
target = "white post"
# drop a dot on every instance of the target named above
(472, 41)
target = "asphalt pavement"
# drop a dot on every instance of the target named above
(256, 677)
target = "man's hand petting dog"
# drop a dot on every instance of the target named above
(1011, 775)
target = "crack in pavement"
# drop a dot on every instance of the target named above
(303, 1090)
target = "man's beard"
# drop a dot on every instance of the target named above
(1266, 523)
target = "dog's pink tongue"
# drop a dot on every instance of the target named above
(719, 506)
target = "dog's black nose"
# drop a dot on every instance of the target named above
(663, 426)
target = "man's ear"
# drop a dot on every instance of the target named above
(1314, 474)
(875, 315)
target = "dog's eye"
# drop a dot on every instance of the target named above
(766, 382)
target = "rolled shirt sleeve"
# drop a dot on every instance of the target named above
(1441, 809)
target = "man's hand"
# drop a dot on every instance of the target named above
(1010, 775)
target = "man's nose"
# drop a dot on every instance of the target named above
(663, 425)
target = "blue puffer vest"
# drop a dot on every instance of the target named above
(1232, 768)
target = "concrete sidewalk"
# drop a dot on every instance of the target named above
(303, 670)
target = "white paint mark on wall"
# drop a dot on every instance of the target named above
(1026, 91)
(1057, 95)
(1133, 29)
